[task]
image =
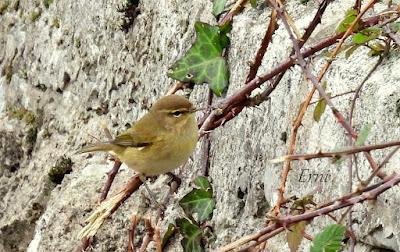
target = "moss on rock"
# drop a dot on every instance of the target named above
(63, 166)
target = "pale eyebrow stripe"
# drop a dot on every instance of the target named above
(172, 111)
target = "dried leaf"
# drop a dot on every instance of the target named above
(295, 234)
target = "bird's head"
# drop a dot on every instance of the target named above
(174, 111)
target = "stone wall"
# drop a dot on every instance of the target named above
(67, 68)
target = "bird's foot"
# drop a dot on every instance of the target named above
(152, 196)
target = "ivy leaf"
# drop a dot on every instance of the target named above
(200, 202)
(225, 29)
(295, 234)
(253, 3)
(191, 233)
(376, 49)
(329, 240)
(168, 234)
(319, 109)
(218, 7)
(203, 183)
(351, 15)
(361, 38)
(362, 137)
(351, 50)
(321, 105)
(366, 35)
(203, 62)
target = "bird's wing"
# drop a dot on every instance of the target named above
(128, 140)
(140, 135)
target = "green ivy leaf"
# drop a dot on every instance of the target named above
(351, 50)
(218, 7)
(225, 29)
(295, 234)
(253, 3)
(376, 49)
(366, 35)
(348, 20)
(319, 109)
(321, 105)
(191, 233)
(203, 183)
(168, 234)
(203, 62)
(362, 137)
(198, 201)
(329, 240)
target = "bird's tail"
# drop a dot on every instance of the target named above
(102, 146)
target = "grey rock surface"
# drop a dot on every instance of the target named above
(67, 69)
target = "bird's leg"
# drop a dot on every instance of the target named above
(150, 192)
(174, 178)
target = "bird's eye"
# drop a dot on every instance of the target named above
(177, 113)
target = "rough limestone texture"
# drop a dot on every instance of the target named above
(67, 69)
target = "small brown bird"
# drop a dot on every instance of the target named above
(160, 141)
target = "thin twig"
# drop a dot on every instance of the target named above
(345, 201)
(149, 235)
(206, 143)
(358, 90)
(387, 158)
(157, 239)
(85, 245)
(307, 72)
(258, 240)
(113, 172)
(177, 86)
(131, 233)
(311, 27)
(336, 154)
(392, 35)
(357, 5)
(353, 241)
(222, 114)
(272, 26)
(232, 12)
(233, 105)
(172, 189)
(334, 96)
(292, 141)
(110, 178)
